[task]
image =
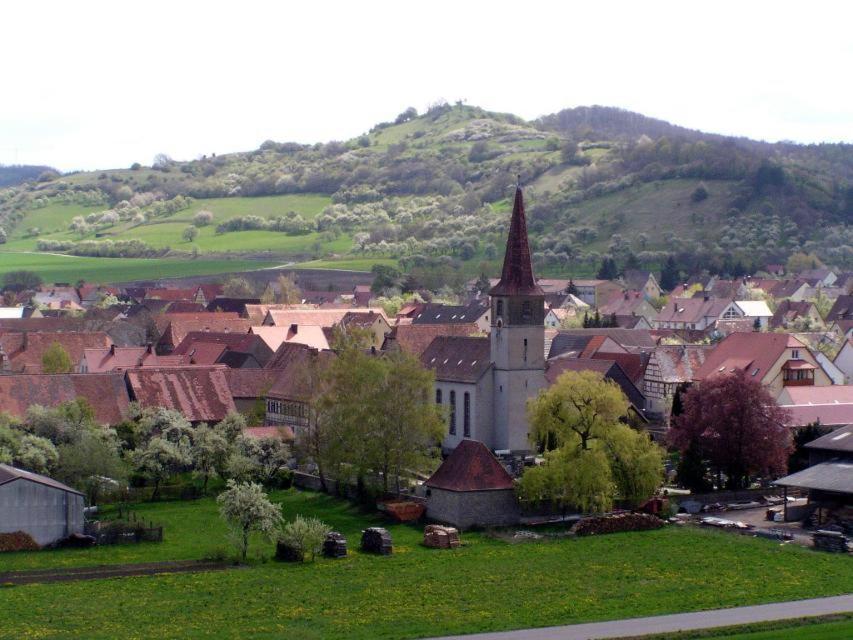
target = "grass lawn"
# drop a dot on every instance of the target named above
(55, 268)
(487, 584)
(350, 264)
(839, 627)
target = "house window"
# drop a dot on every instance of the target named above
(731, 313)
(525, 349)
(466, 414)
(795, 354)
(438, 396)
(500, 308)
(526, 312)
(452, 412)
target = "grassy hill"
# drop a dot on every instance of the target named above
(430, 192)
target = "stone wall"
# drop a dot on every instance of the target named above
(466, 509)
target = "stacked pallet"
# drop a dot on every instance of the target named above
(335, 545)
(833, 541)
(437, 536)
(376, 540)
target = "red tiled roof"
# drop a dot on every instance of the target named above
(800, 415)
(25, 350)
(279, 431)
(517, 275)
(415, 338)
(112, 358)
(754, 351)
(471, 467)
(633, 364)
(106, 392)
(251, 383)
(200, 393)
(175, 326)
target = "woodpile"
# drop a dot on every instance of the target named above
(335, 545)
(285, 552)
(376, 540)
(403, 510)
(833, 541)
(437, 536)
(616, 523)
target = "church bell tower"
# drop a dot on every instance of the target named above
(517, 337)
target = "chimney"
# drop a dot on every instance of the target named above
(148, 348)
(112, 350)
(705, 295)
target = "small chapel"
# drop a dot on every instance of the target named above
(485, 382)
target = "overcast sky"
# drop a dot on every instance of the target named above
(93, 85)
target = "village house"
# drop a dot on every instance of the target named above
(643, 282)
(842, 309)
(777, 360)
(174, 327)
(200, 393)
(694, 314)
(796, 315)
(105, 392)
(23, 351)
(240, 350)
(844, 360)
(670, 367)
(629, 304)
(821, 277)
(830, 406)
(796, 290)
(415, 338)
(56, 296)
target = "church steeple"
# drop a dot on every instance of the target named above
(517, 275)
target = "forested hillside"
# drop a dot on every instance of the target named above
(429, 192)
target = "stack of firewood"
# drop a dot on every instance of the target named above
(376, 540)
(615, 523)
(834, 541)
(335, 545)
(440, 537)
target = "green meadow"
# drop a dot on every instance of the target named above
(487, 584)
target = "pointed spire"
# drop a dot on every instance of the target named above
(517, 275)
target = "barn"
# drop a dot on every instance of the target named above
(44, 508)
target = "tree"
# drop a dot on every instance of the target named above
(669, 275)
(35, 454)
(304, 535)
(288, 292)
(800, 261)
(482, 285)
(246, 508)
(608, 269)
(203, 218)
(190, 233)
(56, 359)
(591, 456)
(384, 277)
(572, 288)
(210, 451)
(160, 459)
(700, 193)
(732, 422)
(267, 456)
(799, 458)
(91, 463)
(238, 288)
(2, 235)
(21, 280)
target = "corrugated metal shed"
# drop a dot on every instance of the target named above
(836, 477)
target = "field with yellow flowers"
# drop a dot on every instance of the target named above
(487, 584)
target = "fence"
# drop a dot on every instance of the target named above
(123, 532)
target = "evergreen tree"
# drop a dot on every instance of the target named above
(572, 288)
(669, 274)
(608, 270)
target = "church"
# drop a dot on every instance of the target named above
(484, 382)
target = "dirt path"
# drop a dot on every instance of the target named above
(109, 571)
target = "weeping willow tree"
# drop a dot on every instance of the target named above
(591, 456)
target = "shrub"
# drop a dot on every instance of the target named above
(203, 218)
(303, 536)
(17, 541)
(699, 194)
